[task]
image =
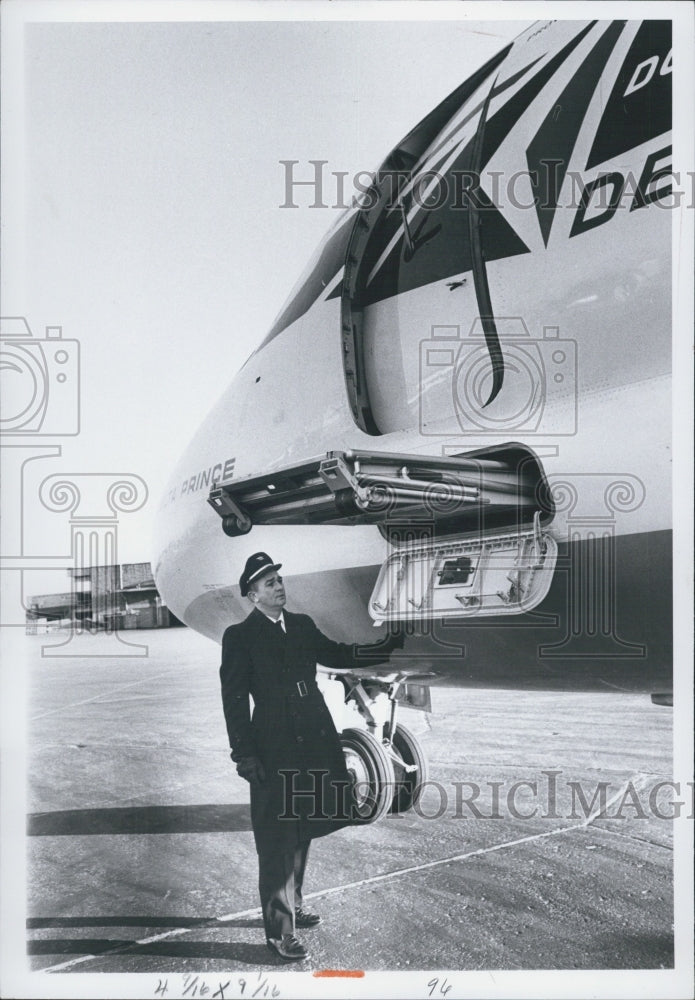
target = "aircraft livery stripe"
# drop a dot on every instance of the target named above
(442, 250)
(499, 89)
(630, 119)
(333, 254)
(449, 254)
(431, 163)
(501, 124)
(549, 152)
(501, 240)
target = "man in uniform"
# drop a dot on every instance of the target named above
(289, 751)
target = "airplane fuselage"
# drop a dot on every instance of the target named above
(564, 146)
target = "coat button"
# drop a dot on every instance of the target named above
(300, 739)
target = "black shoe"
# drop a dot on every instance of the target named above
(305, 918)
(288, 948)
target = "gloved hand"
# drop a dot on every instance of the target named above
(251, 769)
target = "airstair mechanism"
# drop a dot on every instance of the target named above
(467, 532)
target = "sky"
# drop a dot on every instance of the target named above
(145, 191)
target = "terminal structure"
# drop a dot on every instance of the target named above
(103, 597)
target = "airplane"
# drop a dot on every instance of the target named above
(460, 422)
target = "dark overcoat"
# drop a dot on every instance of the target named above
(306, 789)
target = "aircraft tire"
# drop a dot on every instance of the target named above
(370, 766)
(409, 785)
(234, 526)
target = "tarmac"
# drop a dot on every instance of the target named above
(141, 856)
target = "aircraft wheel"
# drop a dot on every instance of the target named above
(409, 785)
(371, 772)
(234, 526)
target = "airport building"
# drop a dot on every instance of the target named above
(103, 597)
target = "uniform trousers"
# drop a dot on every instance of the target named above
(280, 881)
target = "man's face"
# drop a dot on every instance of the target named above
(269, 594)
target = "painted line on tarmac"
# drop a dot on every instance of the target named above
(642, 779)
(177, 932)
(96, 697)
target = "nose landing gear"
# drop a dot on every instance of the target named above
(371, 772)
(410, 769)
(384, 759)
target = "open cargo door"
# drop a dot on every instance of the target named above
(468, 532)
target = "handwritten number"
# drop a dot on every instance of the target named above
(195, 987)
(443, 989)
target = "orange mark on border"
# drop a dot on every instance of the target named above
(335, 973)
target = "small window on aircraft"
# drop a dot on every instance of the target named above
(455, 571)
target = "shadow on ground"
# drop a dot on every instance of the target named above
(214, 818)
(45, 923)
(226, 951)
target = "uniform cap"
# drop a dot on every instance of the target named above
(256, 565)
